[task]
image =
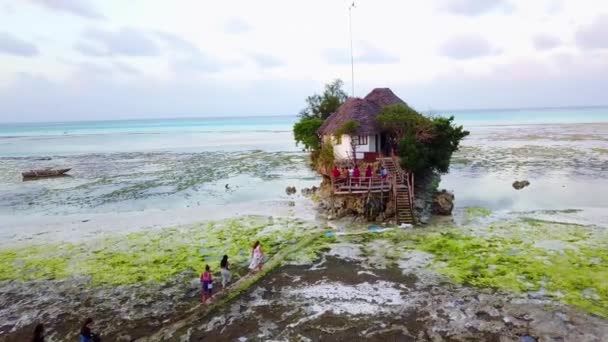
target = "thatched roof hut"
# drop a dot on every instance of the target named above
(363, 111)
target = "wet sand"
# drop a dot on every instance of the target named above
(344, 301)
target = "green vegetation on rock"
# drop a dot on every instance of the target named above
(154, 256)
(424, 144)
(565, 261)
(476, 212)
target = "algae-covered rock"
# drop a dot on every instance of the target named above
(443, 203)
(518, 185)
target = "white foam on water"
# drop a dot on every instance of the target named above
(339, 298)
(347, 251)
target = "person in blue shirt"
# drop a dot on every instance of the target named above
(86, 335)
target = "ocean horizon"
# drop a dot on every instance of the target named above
(490, 116)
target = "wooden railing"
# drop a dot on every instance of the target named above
(361, 184)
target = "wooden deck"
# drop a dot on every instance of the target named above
(361, 185)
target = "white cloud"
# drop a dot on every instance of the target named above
(545, 41)
(467, 46)
(364, 53)
(236, 26)
(472, 7)
(123, 42)
(456, 51)
(12, 45)
(266, 61)
(595, 35)
(82, 8)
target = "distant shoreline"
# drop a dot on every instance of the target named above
(283, 116)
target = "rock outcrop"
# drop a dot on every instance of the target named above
(518, 185)
(443, 203)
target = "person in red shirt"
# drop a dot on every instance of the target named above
(368, 172)
(356, 175)
(335, 172)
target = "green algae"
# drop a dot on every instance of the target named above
(34, 263)
(566, 261)
(154, 256)
(515, 265)
(477, 212)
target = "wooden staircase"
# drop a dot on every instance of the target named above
(403, 196)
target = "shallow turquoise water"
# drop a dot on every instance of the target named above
(174, 163)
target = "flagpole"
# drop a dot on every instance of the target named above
(352, 60)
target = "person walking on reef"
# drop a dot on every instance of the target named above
(206, 284)
(225, 271)
(86, 335)
(38, 333)
(257, 257)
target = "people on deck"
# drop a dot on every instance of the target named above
(335, 172)
(86, 334)
(344, 173)
(350, 171)
(225, 271)
(38, 333)
(356, 175)
(257, 257)
(383, 172)
(206, 284)
(368, 172)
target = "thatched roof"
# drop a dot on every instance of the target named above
(363, 111)
(383, 97)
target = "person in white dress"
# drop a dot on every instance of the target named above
(257, 257)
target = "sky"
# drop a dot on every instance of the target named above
(114, 59)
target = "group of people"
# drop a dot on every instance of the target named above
(355, 174)
(255, 265)
(86, 333)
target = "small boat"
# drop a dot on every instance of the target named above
(44, 173)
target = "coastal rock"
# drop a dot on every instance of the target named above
(518, 185)
(419, 203)
(309, 191)
(443, 203)
(290, 190)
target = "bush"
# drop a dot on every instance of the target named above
(424, 144)
(325, 157)
(305, 132)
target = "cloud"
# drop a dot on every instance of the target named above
(188, 57)
(36, 98)
(124, 42)
(365, 53)
(8, 9)
(82, 8)
(266, 61)
(125, 68)
(11, 45)
(545, 41)
(467, 47)
(580, 81)
(472, 7)
(174, 41)
(594, 36)
(373, 55)
(236, 26)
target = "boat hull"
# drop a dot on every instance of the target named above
(44, 173)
